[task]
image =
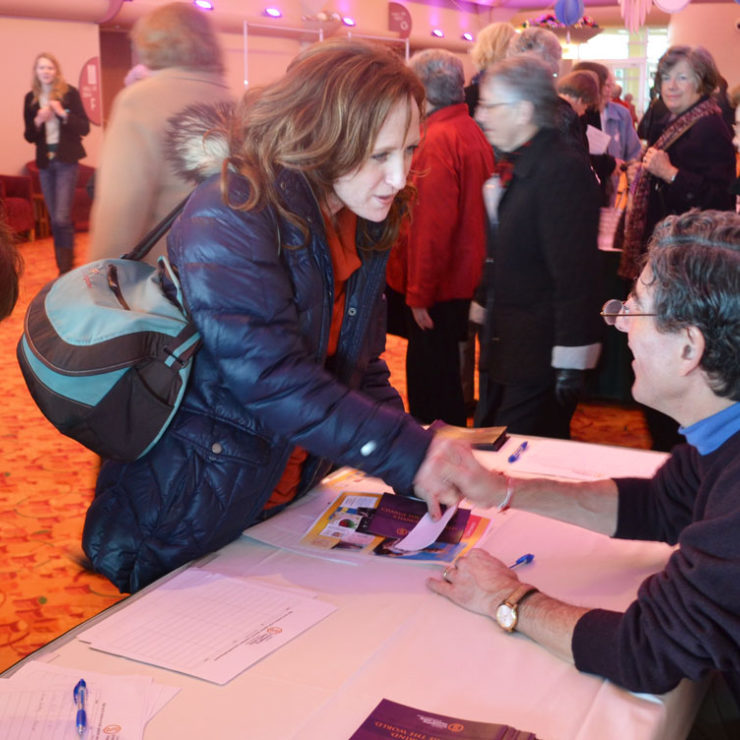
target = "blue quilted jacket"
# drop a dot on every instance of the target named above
(260, 385)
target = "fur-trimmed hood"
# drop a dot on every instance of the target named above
(197, 140)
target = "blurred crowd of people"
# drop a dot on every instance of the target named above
(542, 268)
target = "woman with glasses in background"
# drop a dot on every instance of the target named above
(690, 164)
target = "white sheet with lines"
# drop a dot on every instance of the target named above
(207, 625)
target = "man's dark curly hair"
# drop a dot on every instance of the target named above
(695, 262)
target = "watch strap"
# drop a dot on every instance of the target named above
(523, 592)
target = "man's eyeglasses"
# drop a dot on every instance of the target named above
(614, 308)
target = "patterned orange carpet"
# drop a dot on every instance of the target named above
(47, 481)
(46, 485)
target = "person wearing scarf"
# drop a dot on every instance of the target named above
(735, 103)
(691, 164)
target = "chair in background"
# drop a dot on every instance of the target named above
(81, 204)
(16, 203)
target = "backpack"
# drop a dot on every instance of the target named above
(106, 353)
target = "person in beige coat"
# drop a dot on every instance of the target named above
(135, 186)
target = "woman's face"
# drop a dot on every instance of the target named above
(369, 190)
(607, 91)
(46, 71)
(679, 87)
(578, 105)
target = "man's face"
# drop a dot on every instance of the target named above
(656, 354)
(498, 114)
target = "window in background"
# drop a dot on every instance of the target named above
(632, 57)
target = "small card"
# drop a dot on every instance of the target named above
(396, 516)
(479, 438)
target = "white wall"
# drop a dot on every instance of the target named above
(714, 26)
(20, 41)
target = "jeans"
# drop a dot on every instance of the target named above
(58, 183)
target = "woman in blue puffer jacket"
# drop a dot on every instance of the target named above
(282, 263)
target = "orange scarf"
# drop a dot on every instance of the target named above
(344, 261)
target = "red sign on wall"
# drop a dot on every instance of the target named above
(89, 88)
(399, 19)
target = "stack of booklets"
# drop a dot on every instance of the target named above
(391, 720)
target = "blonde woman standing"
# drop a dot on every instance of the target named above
(55, 121)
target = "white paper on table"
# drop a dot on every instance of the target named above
(425, 531)
(37, 702)
(598, 140)
(207, 625)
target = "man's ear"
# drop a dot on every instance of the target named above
(692, 350)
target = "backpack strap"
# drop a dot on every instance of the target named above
(147, 242)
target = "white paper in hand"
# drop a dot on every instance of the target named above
(425, 532)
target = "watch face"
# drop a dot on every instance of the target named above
(506, 617)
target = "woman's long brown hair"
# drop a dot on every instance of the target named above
(322, 119)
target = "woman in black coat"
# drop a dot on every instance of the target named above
(55, 121)
(542, 325)
(689, 163)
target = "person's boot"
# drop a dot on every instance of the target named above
(65, 257)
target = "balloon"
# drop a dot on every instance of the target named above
(673, 6)
(569, 12)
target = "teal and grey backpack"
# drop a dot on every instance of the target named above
(106, 353)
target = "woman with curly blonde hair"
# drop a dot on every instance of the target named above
(491, 46)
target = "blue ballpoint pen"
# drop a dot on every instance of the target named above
(80, 694)
(518, 452)
(523, 560)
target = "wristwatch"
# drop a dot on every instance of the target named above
(507, 613)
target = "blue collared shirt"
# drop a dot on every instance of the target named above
(711, 433)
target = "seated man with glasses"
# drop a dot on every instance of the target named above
(683, 325)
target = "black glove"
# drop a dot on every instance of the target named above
(568, 385)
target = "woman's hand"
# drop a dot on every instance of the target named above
(450, 471)
(658, 163)
(43, 116)
(57, 109)
(422, 318)
(478, 582)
